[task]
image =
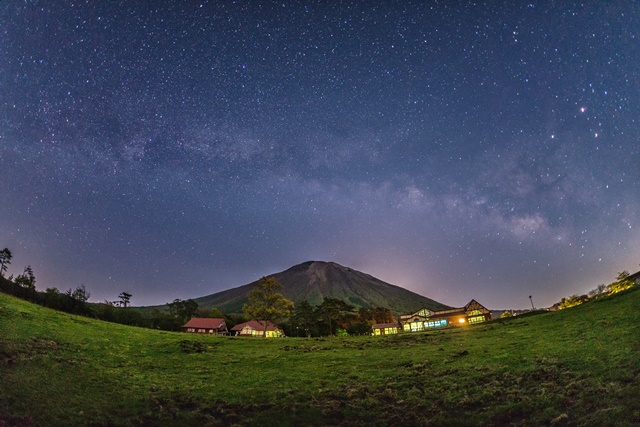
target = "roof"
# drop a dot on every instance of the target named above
(384, 325)
(635, 276)
(255, 325)
(205, 323)
(456, 311)
(417, 313)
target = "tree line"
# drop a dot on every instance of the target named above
(331, 317)
(266, 303)
(623, 282)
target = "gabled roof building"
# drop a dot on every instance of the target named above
(204, 325)
(256, 328)
(425, 319)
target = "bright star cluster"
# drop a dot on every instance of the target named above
(458, 149)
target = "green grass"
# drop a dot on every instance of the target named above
(579, 366)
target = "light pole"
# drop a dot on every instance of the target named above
(531, 299)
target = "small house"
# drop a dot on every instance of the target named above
(204, 325)
(385, 328)
(425, 319)
(254, 328)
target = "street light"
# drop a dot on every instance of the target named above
(531, 299)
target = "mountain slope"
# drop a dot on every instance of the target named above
(315, 280)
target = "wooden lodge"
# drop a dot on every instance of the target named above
(204, 325)
(425, 319)
(254, 328)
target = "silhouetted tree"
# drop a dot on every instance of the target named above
(333, 310)
(305, 317)
(599, 290)
(5, 260)
(27, 279)
(183, 310)
(124, 298)
(267, 304)
(79, 294)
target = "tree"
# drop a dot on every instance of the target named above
(572, 301)
(505, 314)
(79, 294)
(305, 317)
(5, 260)
(599, 290)
(216, 313)
(27, 279)
(183, 310)
(622, 282)
(125, 297)
(333, 310)
(267, 304)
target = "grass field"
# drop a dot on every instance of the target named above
(579, 366)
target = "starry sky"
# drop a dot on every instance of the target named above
(458, 149)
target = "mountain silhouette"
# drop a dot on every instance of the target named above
(315, 280)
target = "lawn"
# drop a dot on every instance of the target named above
(579, 366)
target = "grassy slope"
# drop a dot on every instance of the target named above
(577, 366)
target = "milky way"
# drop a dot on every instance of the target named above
(459, 150)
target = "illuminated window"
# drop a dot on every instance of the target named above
(461, 320)
(406, 327)
(417, 326)
(388, 331)
(476, 319)
(474, 313)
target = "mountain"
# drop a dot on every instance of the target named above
(315, 280)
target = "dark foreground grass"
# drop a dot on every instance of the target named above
(579, 366)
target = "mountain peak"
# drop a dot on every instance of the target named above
(314, 281)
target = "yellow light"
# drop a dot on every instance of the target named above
(461, 320)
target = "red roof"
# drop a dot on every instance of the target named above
(384, 325)
(204, 323)
(255, 325)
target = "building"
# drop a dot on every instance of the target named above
(425, 318)
(385, 328)
(204, 325)
(255, 328)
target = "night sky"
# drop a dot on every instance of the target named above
(457, 149)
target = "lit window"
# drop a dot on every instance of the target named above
(461, 320)
(476, 319)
